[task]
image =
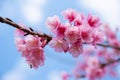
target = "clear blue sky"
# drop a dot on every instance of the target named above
(34, 13)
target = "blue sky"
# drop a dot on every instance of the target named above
(34, 13)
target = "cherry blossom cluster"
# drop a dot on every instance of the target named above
(94, 67)
(77, 30)
(91, 68)
(97, 62)
(31, 47)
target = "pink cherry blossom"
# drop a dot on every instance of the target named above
(61, 30)
(69, 14)
(98, 37)
(20, 43)
(53, 22)
(72, 34)
(93, 21)
(59, 44)
(76, 49)
(35, 57)
(93, 62)
(86, 35)
(64, 75)
(31, 49)
(19, 40)
(109, 33)
(32, 41)
(79, 20)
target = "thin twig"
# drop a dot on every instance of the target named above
(13, 24)
(107, 45)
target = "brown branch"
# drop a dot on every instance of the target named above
(107, 45)
(48, 37)
(13, 24)
(109, 63)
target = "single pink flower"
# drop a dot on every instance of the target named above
(53, 22)
(59, 44)
(93, 21)
(79, 20)
(69, 14)
(76, 49)
(72, 34)
(31, 41)
(61, 30)
(86, 34)
(98, 37)
(64, 75)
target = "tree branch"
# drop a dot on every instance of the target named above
(48, 37)
(107, 45)
(13, 24)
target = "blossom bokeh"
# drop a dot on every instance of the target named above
(34, 13)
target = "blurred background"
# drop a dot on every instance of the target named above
(33, 13)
